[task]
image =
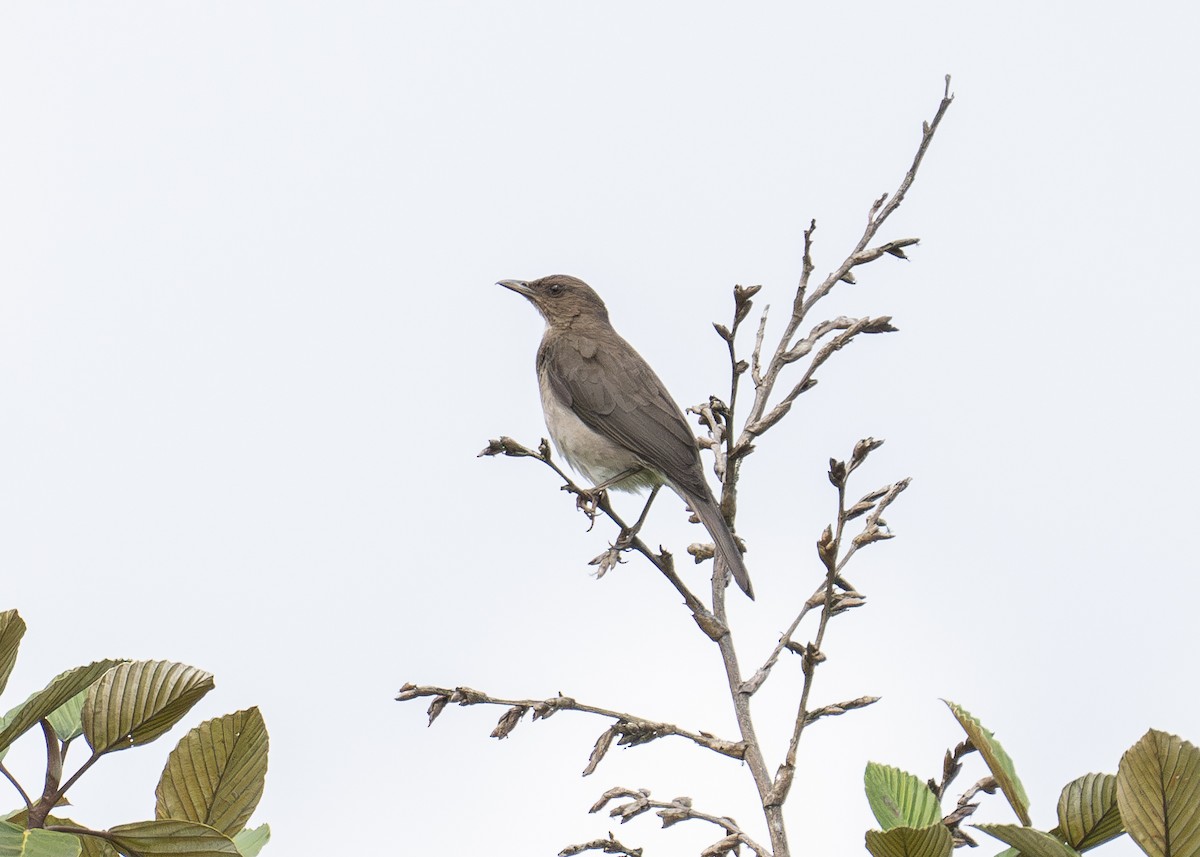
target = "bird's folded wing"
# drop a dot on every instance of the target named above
(617, 395)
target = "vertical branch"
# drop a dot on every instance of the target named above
(730, 447)
(731, 450)
(772, 808)
(39, 811)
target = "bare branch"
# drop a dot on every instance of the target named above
(805, 345)
(839, 708)
(628, 729)
(751, 685)
(672, 812)
(756, 355)
(806, 382)
(608, 845)
(772, 810)
(951, 766)
(834, 596)
(803, 302)
(965, 809)
(8, 776)
(591, 502)
(879, 212)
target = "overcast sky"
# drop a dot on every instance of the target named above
(250, 346)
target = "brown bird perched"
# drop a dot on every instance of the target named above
(609, 415)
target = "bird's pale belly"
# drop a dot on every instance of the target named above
(592, 454)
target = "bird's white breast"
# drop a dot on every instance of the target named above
(592, 454)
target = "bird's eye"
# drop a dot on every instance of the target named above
(555, 288)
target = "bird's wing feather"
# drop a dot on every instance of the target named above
(616, 394)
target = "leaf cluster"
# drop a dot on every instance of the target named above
(1154, 797)
(209, 788)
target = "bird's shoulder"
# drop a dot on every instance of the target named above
(600, 372)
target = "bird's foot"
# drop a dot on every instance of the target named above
(609, 560)
(588, 501)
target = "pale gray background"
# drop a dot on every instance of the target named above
(250, 345)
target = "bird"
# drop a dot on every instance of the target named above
(608, 413)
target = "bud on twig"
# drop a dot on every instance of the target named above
(435, 707)
(508, 721)
(598, 752)
(827, 549)
(862, 449)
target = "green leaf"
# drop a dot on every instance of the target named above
(137, 702)
(92, 847)
(18, 842)
(12, 629)
(997, 760)
(899, 799)
(66, 719)
(1030, 842)
(931, 841)
(216, 772)
(4, 721)
(45, 701)
(1088, 813)
(1158, 791)
(250, 842)
(174, 838)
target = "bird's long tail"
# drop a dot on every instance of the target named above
(709, 512)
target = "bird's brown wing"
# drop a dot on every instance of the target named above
(615, 392)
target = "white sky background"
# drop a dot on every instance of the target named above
(250, 345)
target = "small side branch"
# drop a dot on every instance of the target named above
(593, 503)
(21, 791)
(835, 595)
(850, 329)
(626, 730)
(638, 801)
(608, 845)
(965, 809)
(882, 209)
(951, 766)
(764, 370)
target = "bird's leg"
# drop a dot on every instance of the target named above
(589, 498)
(624, 474)
(630, 533)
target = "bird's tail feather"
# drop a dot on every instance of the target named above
(710, 515)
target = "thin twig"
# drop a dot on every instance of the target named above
(673, 812)
(660, 560)
(633, 728)
(752, 684)
(8, 776)
(62, 790)
(829, 548)
(608, 845)
(880, 212)
(804, 302)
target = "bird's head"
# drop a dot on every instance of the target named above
(561, 299)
